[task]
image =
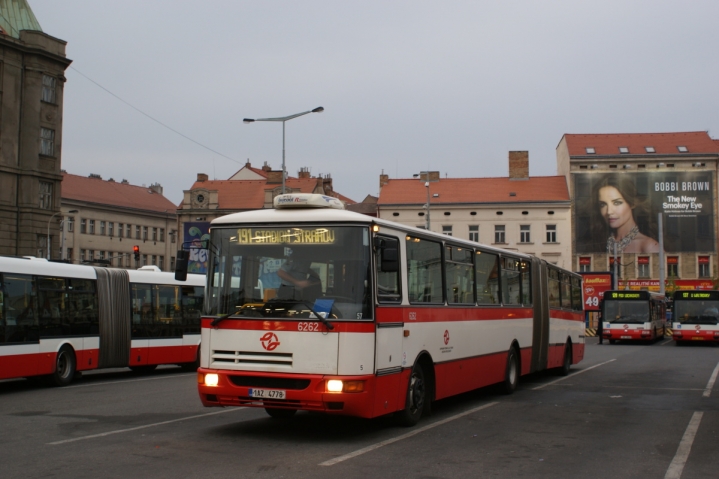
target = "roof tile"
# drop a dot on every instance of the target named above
(96, 190)
(663, 143)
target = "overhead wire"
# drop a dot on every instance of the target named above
(152, 118)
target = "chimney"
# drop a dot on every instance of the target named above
(201, 177)
(95, 176)
(273, 176)
(304, 172)
(266, 167)
(124, 182)
(383, 180)
(518, 165)
(157, 188)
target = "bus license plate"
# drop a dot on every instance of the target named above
(268, 393)
(626, 337)
(698, 338)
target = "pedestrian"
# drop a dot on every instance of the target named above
(600, 328)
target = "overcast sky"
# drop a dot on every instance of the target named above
(406, 85)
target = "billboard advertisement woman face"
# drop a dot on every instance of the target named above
(616, 202)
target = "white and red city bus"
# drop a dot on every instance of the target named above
(382, 318)
(633, 315)
(58, 318)
(695, 316)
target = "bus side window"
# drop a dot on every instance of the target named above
(388, 282)
(424, 270)
(553, 287)
(487, 273)
(20, 319)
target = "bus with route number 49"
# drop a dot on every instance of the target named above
(312, 307)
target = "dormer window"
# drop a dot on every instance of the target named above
(590, 150)
(682, 149)
(650, 149)
(623, 150)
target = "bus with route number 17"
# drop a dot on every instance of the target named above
(312, 307)
(633, 315)
(696, 316)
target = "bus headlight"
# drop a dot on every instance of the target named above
(334, 386)
(211, 379)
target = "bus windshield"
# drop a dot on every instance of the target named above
(696, 312)
(308, 271)
(626, 311)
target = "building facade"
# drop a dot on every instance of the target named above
(518, 212)
(667, 175)
(32, 66)
(102, 222)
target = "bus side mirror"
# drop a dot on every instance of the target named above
(390, 260)
(181, 265)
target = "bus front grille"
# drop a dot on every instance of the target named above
(252, 358)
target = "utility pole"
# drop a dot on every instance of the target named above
(662, 273)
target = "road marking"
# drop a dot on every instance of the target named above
(685, 446)
(609, 386)
(573, 374)
(668, 341)
(128, 381)
(367, 449)
(118, 431)
(710, 385)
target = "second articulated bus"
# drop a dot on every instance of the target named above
(57, 318)
(378, 318)
(633, 315)
(696, 316)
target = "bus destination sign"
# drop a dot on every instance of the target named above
(623, 295)
(297, 236)
(712, 295)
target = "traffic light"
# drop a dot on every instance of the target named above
(136, 250)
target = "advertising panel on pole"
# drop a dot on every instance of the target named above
(595, 284)
(194, 234)
(624, 207)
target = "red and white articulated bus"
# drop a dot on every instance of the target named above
(695, 316)
(58, 318)
(633, 315)
(376, 318)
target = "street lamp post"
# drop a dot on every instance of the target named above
(47, 245)
(424, 175)
(283, 119)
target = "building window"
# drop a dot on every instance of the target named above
(137, 232)
(68, 254)
(83, 227)
(101, 255)
(172, 263)
(92, 227)
(447, 230)
(91, 255)
(154, 234)
(70, 223)
(154, 259)
(45, 195)
(585, 263)
(49, 85)
(102, 228)
(144, 232)
(162, 263)
(128, 234)
(173, 235)
(524, 234)
(551, 233)
(47, 142)
(672, 266)
(82, 255)
(111, 229)
(643, 267)
(144, 260)
(474, 233)
(704, 267)
(120, 229)
(499, 233)
(162, 235)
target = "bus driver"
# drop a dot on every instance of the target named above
(298, 281)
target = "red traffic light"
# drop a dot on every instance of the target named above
(136, 250)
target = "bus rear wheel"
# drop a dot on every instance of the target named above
(567, 362)
(511, 374)
(65, 364)
(277, 413)
(415, 398)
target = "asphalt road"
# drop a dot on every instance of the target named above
(628, 410)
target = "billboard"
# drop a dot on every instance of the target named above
(194, 234)
(595, 285)
(622, 209)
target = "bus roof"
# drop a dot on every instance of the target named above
(41, 266)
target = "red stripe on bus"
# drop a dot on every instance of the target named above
(424, 314)
(290, 325)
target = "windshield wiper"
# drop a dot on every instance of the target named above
(322, 319)
(218, 320)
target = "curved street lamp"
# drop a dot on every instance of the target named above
(283, 119)
(48, 230)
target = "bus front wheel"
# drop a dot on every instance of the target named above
(511, 374)
(415, 398)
